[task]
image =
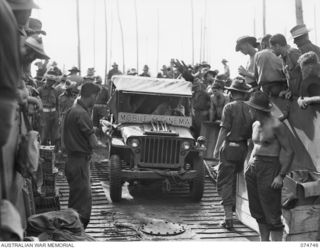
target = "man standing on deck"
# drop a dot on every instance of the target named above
(247, 45)
(231, 146)
(290, 56)
(268, 70)
(79, 140)
(265, 173)
(300, 35)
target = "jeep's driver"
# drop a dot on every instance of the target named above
(172, 107)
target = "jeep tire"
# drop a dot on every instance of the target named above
(115, 181)
(197, 183)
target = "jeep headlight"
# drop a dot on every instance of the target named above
(134, 143)
(186, 145)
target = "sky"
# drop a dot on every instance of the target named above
(164, 30)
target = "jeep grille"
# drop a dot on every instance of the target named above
(157, 151)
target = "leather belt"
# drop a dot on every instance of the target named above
(100, 105)
(48, 110)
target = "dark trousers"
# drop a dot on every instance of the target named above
(264, 201)
(50, 125)
(231, 163)
(77, 171)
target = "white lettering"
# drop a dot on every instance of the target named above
(142, 118)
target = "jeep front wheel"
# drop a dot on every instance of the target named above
(115, 181)
(197, 183)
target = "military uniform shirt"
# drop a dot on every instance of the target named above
(237, 121)
(77, 128)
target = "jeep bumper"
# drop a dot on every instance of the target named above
(157, 174)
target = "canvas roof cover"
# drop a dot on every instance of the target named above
(152, 85)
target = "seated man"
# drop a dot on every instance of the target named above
(172, 107)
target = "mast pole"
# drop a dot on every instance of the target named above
(122, 37)
(78, 34)
(192, 30)
(299, 12)
(106, 42)
(264, 18)
(137, 33)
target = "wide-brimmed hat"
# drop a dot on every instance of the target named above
(205, 64)
(35, 43)
(22, 4)
(35, 26)
(132, 72)
(91, 70)
(246, 39)
(218, 84)
(164, 68)
(51, 75)
(213, 73)
(299, 30)
(260, 101)
(74, 68)
(239, 85)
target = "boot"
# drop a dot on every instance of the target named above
(264, 232)
(228, 221)
(227, 224)
(276, 235)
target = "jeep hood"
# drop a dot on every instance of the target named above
(140, 130)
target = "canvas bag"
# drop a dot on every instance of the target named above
(27, 158)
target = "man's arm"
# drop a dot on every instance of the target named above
(287, 151)
(225, 127)
(221, 138)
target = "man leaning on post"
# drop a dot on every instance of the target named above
(79, 139)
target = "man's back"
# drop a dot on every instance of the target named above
(268, 67)
(77, 129)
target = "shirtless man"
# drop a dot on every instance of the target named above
(265, 174)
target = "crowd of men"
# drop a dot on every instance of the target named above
(69, 105)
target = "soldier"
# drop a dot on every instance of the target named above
(79, 140)
(300, 35)
(74, 77)
(49, 117)
(100, 107)
(291, 67)
(200, 104)
(264, 176)
(231, 146)
(217, 100)
(247, 45)
(66, 100)
(145, 72)
(114, 71)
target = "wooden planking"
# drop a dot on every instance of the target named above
(201, 219)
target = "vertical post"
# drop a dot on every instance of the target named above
(315, 24)
(94, 33)
(264, 31)
(201, 36)
(204, 30)
(122, 37)
(299, 12)
(106, 47)
(192, 31)
(158, 38)
(78, 34)
(137, 33)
